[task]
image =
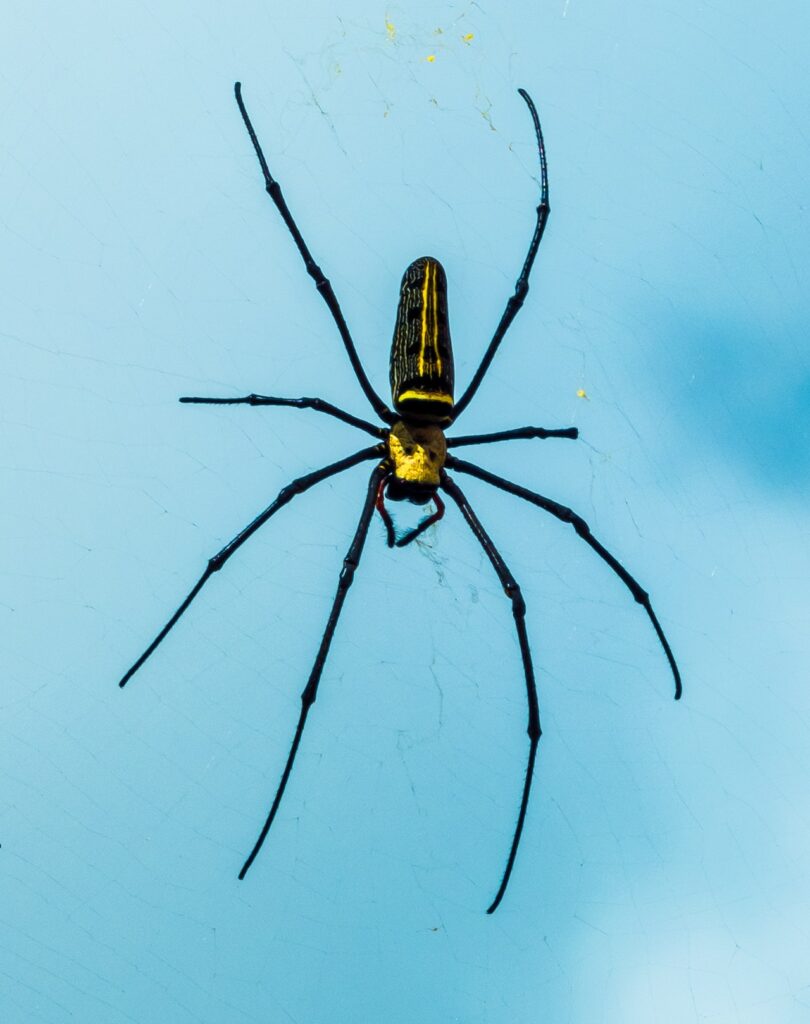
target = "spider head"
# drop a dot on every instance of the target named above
(421, 353)
(401, 490)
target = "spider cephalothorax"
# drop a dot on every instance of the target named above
(411, 459)
(417, 453)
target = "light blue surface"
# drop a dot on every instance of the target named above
(663, 874)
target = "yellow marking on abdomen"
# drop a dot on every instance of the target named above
(429, 304)
(426, 396)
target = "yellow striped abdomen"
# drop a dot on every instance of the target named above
(421, 353)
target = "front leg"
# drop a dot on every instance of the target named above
(515, 303)
(322, 283)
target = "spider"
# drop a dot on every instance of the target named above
(411, 460)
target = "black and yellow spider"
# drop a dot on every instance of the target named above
(412, 458)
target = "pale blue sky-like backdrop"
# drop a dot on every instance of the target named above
(664, 873)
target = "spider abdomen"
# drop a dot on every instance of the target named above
(421, 353)
(417, 453)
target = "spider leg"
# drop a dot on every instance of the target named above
(321, 282)
(296, 403)
(519, 433)
(522, 285)
(427, 522)
(350, 563)
(567, 515)
(215, 564)
(379, 504)
(512, 590)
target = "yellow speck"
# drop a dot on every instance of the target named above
(438, 31)
(468, 38)
(582, 394)
(390, 29)
(431, 59)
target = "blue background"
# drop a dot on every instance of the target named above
(663, 873)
